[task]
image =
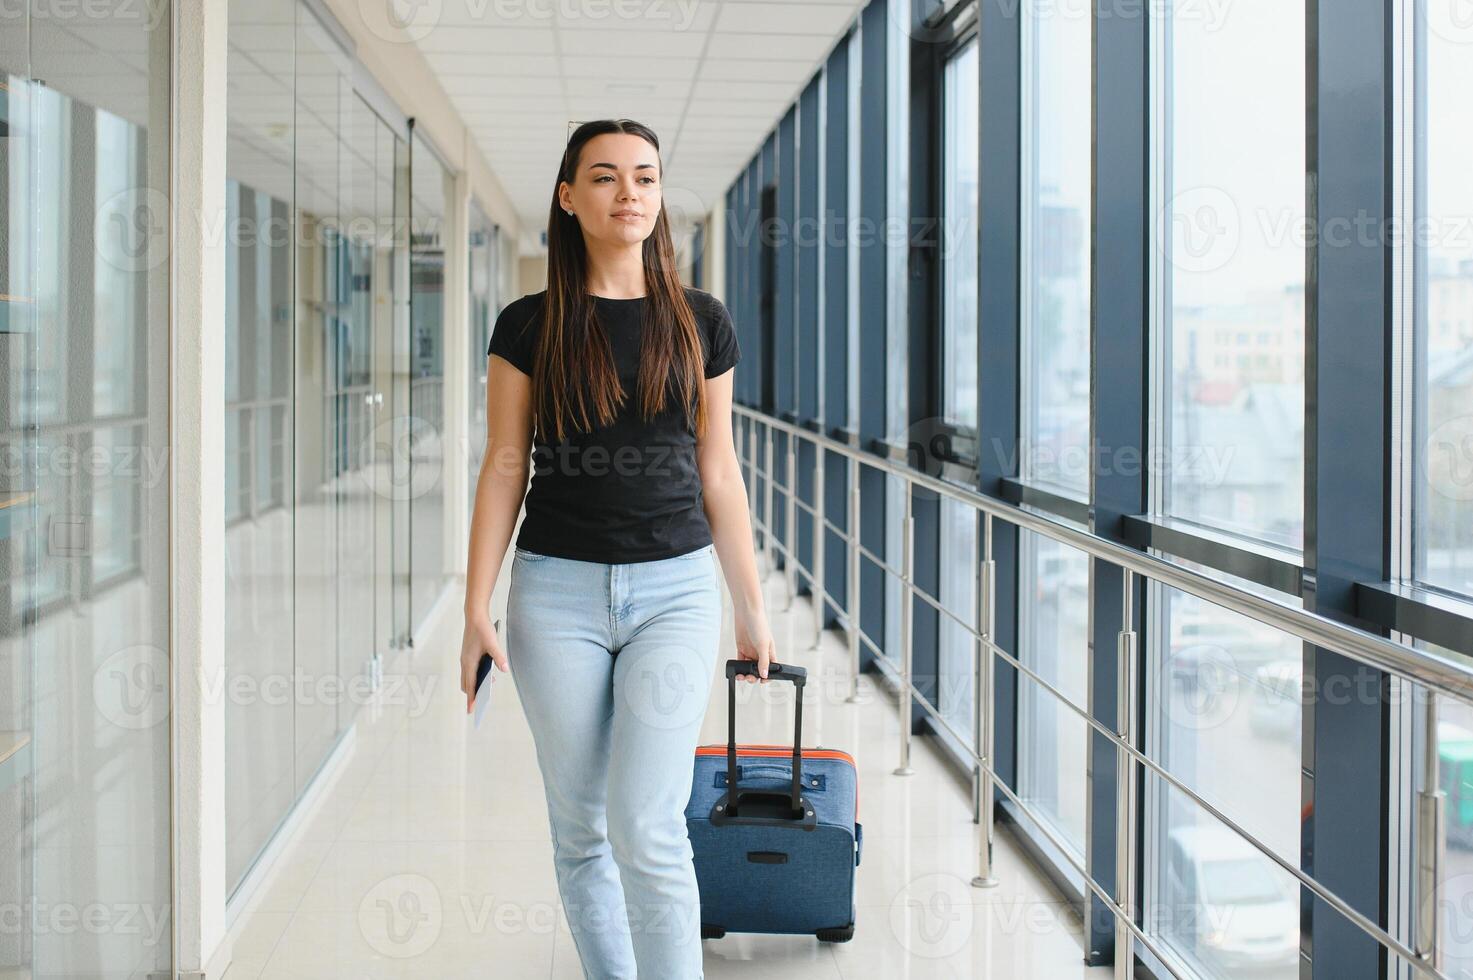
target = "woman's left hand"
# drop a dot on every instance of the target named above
(754, 642)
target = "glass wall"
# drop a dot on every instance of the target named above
(1442, 506)
(959, 259)
(1230, 252)
(1224, 691)
(311, 293)
(430, 191)
(259, 424)
(84, 504)
(1054, 639)
(1056, 200)
(1444, 306)
(958, 538)
(1225, 718)
(321, 77)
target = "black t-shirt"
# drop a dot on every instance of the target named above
(629, 491)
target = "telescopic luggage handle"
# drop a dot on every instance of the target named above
(775, 672)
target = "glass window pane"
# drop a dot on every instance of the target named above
(1224, 716)
(959, 301)
(1054, 643)
(958, 647)
(1444, 322)
(1455, 775)
(1056, 240)
(1220, 905)
(1231, 258)
(84, 527)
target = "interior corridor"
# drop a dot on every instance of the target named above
(429, 854)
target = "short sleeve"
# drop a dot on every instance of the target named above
(724, 351)
(512, 336)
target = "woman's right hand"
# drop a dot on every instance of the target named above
(479, 637)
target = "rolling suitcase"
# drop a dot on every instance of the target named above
(779, 857)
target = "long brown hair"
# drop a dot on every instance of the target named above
(574, 380)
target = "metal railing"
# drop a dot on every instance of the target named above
(1439, 675)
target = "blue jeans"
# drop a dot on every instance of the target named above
(613, 665)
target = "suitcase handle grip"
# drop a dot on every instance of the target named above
(775, 671)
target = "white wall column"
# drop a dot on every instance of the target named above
(197, 458)
(714, 254)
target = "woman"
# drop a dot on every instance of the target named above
(614, 608)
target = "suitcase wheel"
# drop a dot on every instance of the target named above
(711, 932)
(842, 935)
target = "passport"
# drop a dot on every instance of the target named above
(485, 680)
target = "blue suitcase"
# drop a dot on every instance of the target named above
(781, 858)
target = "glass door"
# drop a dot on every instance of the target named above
(358, 406)
(84, 496)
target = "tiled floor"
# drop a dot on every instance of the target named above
(429, 856)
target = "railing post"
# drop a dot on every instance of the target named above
(852, 576)
(749, 452)
(1125, 710)
(982, 791)
(767, 509)
(1431, 843)
(907, 549)
(819, 591)
(790, 530)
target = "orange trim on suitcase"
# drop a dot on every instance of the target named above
(784, 751)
